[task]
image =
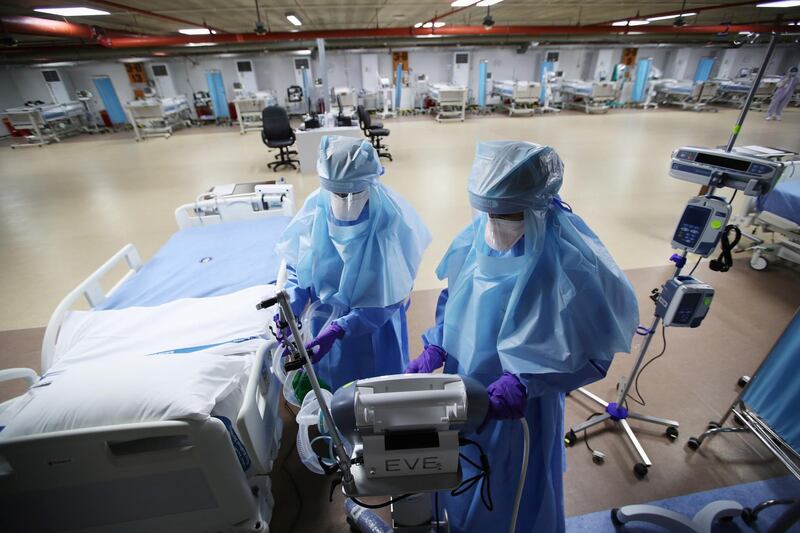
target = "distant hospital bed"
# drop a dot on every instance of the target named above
(734, 92)
(518, 97)
(451, 101)
(688, 95)
(249, 108)
(158, 117)
(47, 122)
(587, 96)
(778, 214)
(169, 432)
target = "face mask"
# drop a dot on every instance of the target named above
(348, 208)
(502, 234)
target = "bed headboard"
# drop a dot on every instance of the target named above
(268, 200)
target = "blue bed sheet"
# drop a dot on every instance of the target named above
(205, 261)
(783, 200)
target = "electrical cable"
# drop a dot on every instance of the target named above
(379, 505)
(696, 265)
(641, 400)
(436, 508)
(482, 478)
(732, 197)
(586, 434)
(724, 262)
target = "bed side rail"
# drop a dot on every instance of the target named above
(268, 200)
(92, 291)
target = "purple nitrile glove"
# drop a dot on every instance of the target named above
(508, 399)
(280, 334)
(322, 344)
(431, 358)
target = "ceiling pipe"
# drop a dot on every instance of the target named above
(448, 31)
(53, 28)
(685, 10)
(152, 14)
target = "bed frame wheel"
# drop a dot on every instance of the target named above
(615, 519)
(693, 444)
(713, 425)
(743, 381)
(640, 470)
(759, 263)
(672, 433)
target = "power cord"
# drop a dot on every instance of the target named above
(379, 505)
(598, 457)
(696, 265)
(483, 477)
(641, 400)
(724, 262)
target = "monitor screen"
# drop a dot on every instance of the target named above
(722, 161)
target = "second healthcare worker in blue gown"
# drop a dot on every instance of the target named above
(355, 246)
(534, 307)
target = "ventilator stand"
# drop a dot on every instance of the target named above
(617, 412)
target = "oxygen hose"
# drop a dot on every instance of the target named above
(523, 472)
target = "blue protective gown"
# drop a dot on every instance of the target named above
(365, 269)
(554, 316)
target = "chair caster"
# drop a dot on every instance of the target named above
(693, 443)
(672, 433)
(615, 519)
(640, 470)
(743, 381)
(570, 439)
(713, 425)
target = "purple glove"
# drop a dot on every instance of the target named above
(429, 360)
(280, 334)
(508, 399)
(324, 341)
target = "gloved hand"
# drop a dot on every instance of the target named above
(508, 399)
(280, 333)
(322, 344)
(429, 360)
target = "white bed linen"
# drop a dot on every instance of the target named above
(144, 364)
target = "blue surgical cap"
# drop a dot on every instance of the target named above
(347, 164)
(513, 176)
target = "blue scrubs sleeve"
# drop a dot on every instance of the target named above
(299, 297)
(366, 320)
(540, 384)
(435, 334)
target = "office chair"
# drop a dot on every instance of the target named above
(374, 132)
(276, 132)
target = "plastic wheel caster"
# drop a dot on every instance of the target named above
(570, 439)
(672, 433)
(713, 425)
(743, 381)
(759, 263)
(614, 518)
(693, 444)
(640, 469)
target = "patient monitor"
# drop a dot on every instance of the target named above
(701, 225)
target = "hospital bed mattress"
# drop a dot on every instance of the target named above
(205, 261)
(575, 88)
(62, 111)
(784, 200)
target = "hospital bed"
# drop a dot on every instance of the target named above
(47, 122)
(777, 213)
(249, 108)
(688, 95)
(588, 96)
(137, 471)
(158, 117)
(518, 97)
(450, 101)
(734, 92)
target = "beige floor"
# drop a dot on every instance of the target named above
(65, 208)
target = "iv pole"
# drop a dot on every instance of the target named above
(616, 411)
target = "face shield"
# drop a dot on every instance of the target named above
(502, 232)
(347, 207)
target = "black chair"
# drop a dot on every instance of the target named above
(374, 132)
(276, 132)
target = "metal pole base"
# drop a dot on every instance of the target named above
(620, 415)
(702, 522)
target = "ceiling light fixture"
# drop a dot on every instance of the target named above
(630, 23)
(197, 31)
(71, 11)
(463, 3)
(439, 24)
(302, 52)
(780, 3)
(429, 36)
(418, 25)
(487, 3)
(667, 17)
(428, 25)
(200, 44)
(291, 17)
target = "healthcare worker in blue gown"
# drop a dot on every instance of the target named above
(354, 249)
(534, 307)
